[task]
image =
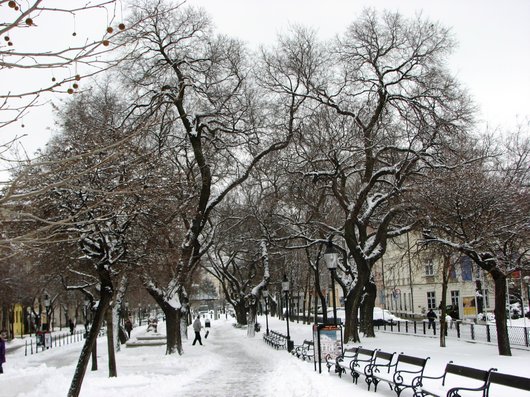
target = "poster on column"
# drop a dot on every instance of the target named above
(470, 306)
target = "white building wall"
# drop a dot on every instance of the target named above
(405, 283)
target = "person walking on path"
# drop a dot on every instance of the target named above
(71, 325)
(128, 327)
(3, 337)
(431, 316)
(197, 326)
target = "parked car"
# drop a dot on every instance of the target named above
(381, 316)
(384, 317)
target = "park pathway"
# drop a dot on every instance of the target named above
(235, 359)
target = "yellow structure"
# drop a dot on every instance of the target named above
(18, 319)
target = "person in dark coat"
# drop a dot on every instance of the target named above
(72, 326)
(197, 326)
(128, 327)
(431, 316)
(3, 338)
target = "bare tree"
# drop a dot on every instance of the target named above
(481, 210)
(217, 121)
(55, 68)
(391, 104)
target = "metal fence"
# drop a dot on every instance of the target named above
(519, 336)
(50, 341)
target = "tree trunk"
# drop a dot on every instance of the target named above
(113, 372)
(251, 320)
(353, 302)
(94, 357)
(79, 374)
(503, 342)
(368, 303)
(241, 313)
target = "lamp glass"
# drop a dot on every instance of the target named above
(331, 256)
(285, 286)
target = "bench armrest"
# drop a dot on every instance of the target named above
(399, 379)
(454, 392)
(376, 367)
(417, 380)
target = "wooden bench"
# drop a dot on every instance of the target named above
(455, 378)
(342, 362)
(276, 339)
(305, 350)
(500, 384)
(403, 374)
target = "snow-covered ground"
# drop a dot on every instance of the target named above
(229, 364)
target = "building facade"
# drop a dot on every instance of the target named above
(409, 281)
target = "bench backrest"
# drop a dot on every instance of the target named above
(365, 354)
(384, 357)
(351, 352)
(467, 372)
(411, 360)
(383, 360)
(508, 381)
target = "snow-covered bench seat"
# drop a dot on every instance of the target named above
(402, 374)
(455, 380)
(342, 362)
(305, 350)
(276, 339)
(362, 362)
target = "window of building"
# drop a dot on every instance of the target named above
(429, 269)
(431, 300)
(467, 268)
(455, 299)
(452, 273)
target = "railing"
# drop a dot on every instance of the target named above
(518, 336)
(54, 340)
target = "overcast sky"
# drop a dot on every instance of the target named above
(493, 38)
(491, 60)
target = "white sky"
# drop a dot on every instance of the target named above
(493, 37)
(491, 60)
(231, 364)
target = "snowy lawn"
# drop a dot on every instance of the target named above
(229, 364)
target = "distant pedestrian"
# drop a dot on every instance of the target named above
(128, 327)
(449, 321)
(431, 316)
(197, 326)
(3, 338)
(72, 326)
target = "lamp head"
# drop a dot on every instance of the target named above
(285, 284)
(331, 256)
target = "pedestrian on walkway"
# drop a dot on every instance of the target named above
(71, 325)
(3, 338)
(431, 316)
(197, 326)
(128, 327)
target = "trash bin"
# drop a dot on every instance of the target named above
(207, 323)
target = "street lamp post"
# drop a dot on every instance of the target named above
(87, 304)
(47, 303)
(266, 297)
(285, 289)
(526, 280)
(28, 311)
(331, 257)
